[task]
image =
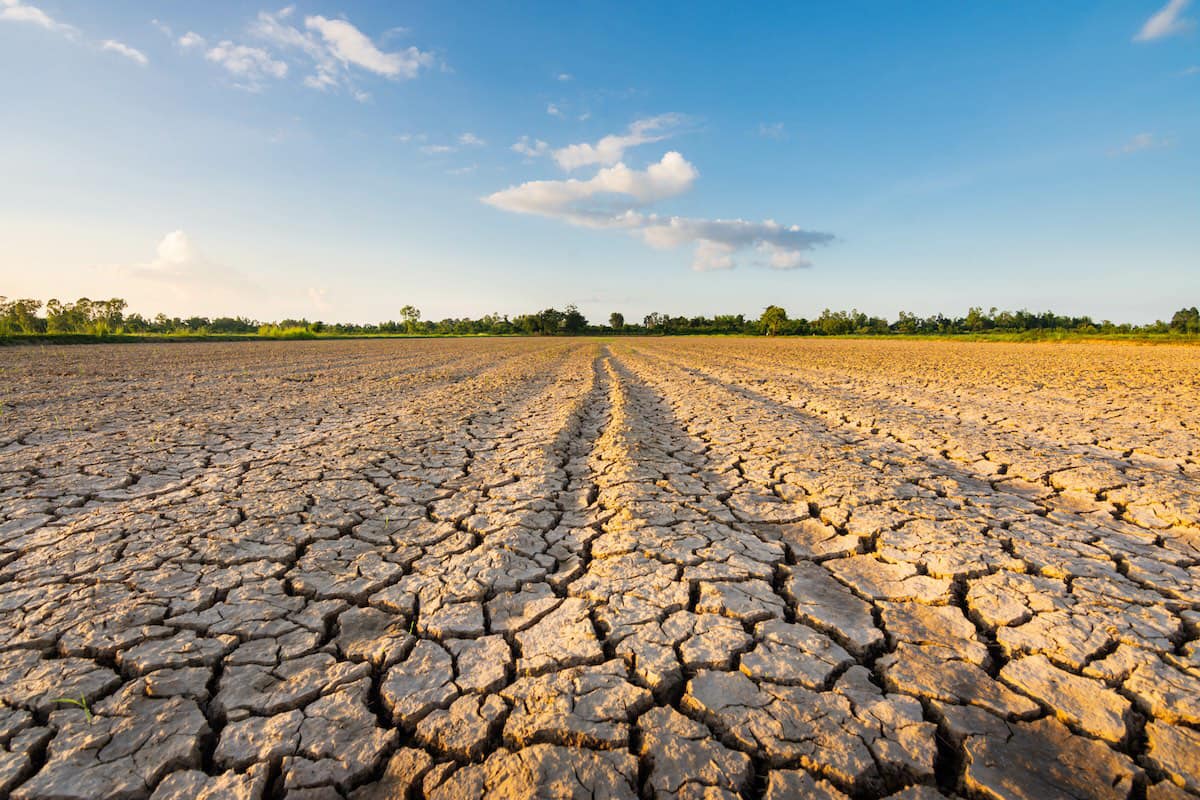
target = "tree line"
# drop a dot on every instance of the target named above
(25, 317)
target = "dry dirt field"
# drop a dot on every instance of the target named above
(573, 568)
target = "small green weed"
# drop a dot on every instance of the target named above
(81, 702)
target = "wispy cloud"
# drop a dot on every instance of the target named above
(469, 139)
(131, 53)
(351, 46)
(331, 51)
(250, 66)
(1139, 142)
(530, 147)
(318, 297)
(772, 130)
(553, 110)
(191, 39)
(334, 48)
(1167, 21)
(564, 76)
(1192, 70)
(611, 148)
(17, 11)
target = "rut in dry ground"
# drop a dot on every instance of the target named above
(564, 568)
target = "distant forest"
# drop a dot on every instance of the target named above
(105, 318)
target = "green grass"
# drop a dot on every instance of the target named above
(80, 702)
(283, 334)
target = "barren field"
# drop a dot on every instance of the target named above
(572, 568)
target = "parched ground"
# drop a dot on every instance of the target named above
(573, 568)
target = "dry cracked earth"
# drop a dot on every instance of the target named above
(572, 568)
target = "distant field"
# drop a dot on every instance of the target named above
(992, 336)
(656, 567)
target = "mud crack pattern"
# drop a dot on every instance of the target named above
(577, 569)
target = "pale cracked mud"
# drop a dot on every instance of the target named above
(637, 568)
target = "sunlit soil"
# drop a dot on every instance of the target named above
(579, 568)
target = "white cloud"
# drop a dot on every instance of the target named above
(319, 298)
(333, 46)
(182, 276)
(710, 255)
(553, 110)
(611, 148)
(178, 261)
(469, 139)
(320, 81)
(1167, 21)
(437, 149)
(530, 147)
(251, 65)
(717, 240)
(17, 11)
(1141, 141)
(125, 50)
(177, 256)
(465, 170)
(772, 130)
(274, 28)
(351, 46)
(779, 257)
(610, 200)
(564, 76)
(573, 199)
(191, 39)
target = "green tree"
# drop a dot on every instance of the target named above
(20, 316)
(616, 320)
(835, 323)
(1186, 320)
(549, 321)
(773, 318)
(976, 320)
(656, 320)
(908, 323)
(412, 317)
(573, 322)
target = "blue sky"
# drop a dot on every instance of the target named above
(339, 160)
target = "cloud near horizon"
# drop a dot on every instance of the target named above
(180, 267)
(612, 198)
